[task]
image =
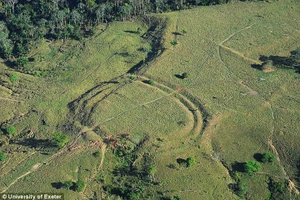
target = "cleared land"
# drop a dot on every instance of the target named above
(223, 114)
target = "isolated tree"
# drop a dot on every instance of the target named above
(184, 31)
(252, 166)
(59, 139)
(2, 156)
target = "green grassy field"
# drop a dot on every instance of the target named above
(222, 114)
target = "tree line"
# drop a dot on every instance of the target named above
(24, 22)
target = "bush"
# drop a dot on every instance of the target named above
(151, 82)
(151, 169)
(11, 130)
(13, 77)
(174, 42)
(268, 157)
(252, 166)
(97, 154)
(59, 139)
(68, 184)
(184, 75)
(132, 77)
(241, 189)
(190, 162)
(79, 185)
(22, 61)
(2, 156)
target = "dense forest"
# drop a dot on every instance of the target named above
(24, 22)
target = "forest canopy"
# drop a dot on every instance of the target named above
(25, 22)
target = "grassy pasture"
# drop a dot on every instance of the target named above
(228, 86)
(81, 86)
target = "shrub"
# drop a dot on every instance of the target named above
(241, 189)
(68, 184)
(79, 185)
(11, 130)
(151, 82)
(132, 77)
(2, 156)
(22, 61)
(268, 157)
(190, 162)
(174, 42)
(252, 166)
(59, 139)
(96, 154)
(151, 169)
(13, 77)
(184, 75)
(176, 197)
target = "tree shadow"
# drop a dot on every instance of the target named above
(238, 167)
(281, 62)
(133, 32)
(176, 33)
(36, 143)
(180, 161)
(256, 66)
(178, 76)
(10, 64)
(258, 157)
(57, 185)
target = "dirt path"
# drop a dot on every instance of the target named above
(20, 162)
(34, 167)
(69, 147)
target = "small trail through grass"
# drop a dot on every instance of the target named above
(292, 186)
(68, 148)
